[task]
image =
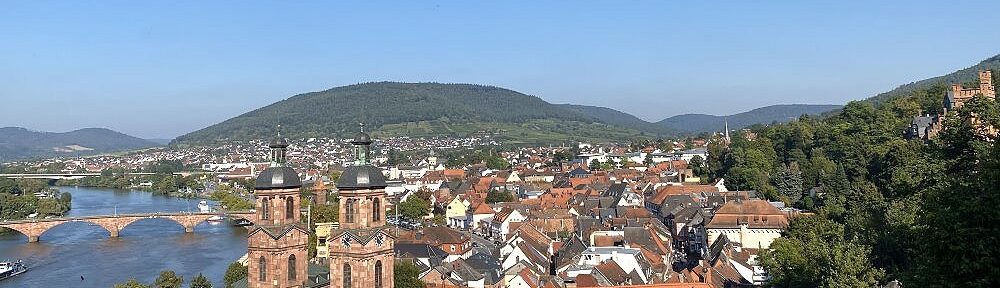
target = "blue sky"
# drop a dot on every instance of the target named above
(159, 69)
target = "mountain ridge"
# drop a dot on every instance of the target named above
(18, 143)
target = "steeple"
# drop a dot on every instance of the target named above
(727, 130)
(278, 149)
(362, 147)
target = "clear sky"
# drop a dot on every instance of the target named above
(159, 69)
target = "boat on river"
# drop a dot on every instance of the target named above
(203, 206)
(11, 269)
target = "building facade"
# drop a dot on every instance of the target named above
(277, 243)
(360, 249)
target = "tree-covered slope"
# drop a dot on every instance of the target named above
(698, 123)
(618, 118)
(393, 105)
(969, 74)
(20, 143)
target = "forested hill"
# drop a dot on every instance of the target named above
(698, 123)
(19, 143)
(969, 74)
(619, 118)
(411, 109)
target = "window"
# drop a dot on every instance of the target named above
(289, 207)
(265, 208)
(262, 269)
(349, 211)
(291, 267)
(347, 276)
(376, 209)
(378, 274)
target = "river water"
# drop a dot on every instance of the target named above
(142, 250)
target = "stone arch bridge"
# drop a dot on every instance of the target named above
(33, 228)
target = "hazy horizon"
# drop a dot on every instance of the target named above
(160, 70)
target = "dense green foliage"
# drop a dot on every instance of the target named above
(406, 275)
(699, 123)
(168, 279)
(886, 207)
(235, 272)
(17, 199)
(440, 109)
(499, 196)
(131, 283)
(415, 207)
(200, 282)
(20, 143)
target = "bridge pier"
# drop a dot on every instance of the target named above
(32, 239)
(114, 233)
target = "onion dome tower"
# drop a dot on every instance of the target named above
(361, 248)
(277, 243)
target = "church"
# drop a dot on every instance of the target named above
(361, 248)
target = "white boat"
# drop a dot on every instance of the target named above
(11, 269)
(203, 206)
(216, 219)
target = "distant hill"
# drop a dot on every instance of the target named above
(698, 123)
(619, 118)
(967, 74)
(414, 109)
(20, 143)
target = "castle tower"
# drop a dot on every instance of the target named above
(277, 243)
(986, 84)
(361, 254)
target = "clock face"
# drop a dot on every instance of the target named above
(379, 240)
(346, 241)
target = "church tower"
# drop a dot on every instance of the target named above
(277, 243)
(361, 254)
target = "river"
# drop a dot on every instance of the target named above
(142, 250)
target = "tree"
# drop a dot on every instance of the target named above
(131, 283)
(958, 245)
(649, 159)
(414, 208)
(235, 272)
(200, 282)
(595, 165)
(788, 182)
(499, 196)
(406, 275)
(168, 279)
(814, 253)
(697, 165)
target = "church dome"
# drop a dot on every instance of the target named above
(361, 177)
(279, 142)
(278, 178)
(362, 138)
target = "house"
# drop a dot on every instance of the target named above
(480, 217)
(630, 260)
(456, 244)
(455, 212)
(753, 223)
(500, 225)
(422, 254)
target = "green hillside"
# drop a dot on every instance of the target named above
(413, 109)
(619, 118)
(20, 143)
(698, 123)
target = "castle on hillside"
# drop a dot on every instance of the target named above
(957, 95)
(928, 126)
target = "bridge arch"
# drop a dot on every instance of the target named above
(35, 230)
